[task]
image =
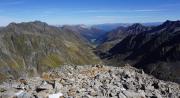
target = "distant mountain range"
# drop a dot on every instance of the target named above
(91, 34)
(96, 33)
(111, 26)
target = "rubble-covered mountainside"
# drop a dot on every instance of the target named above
(95, 81)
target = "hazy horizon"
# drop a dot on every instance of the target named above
(72, 12)
(85, 24)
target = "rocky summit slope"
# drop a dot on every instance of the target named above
(94, 81)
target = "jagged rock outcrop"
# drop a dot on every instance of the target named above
(93, 81)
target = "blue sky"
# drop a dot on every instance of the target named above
(57, 12)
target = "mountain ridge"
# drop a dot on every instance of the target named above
(118, 34)
(33, 47)
(156, 51)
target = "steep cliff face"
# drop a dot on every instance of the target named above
(36, 46)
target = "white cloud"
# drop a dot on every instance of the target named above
(170, 5)
(107, 17)
(48, 12)
(149, 10)
(12, 2)
(120, 17)
(119, 11)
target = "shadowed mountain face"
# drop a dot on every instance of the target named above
(36, 46)
(115, 36)
(157, 51)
